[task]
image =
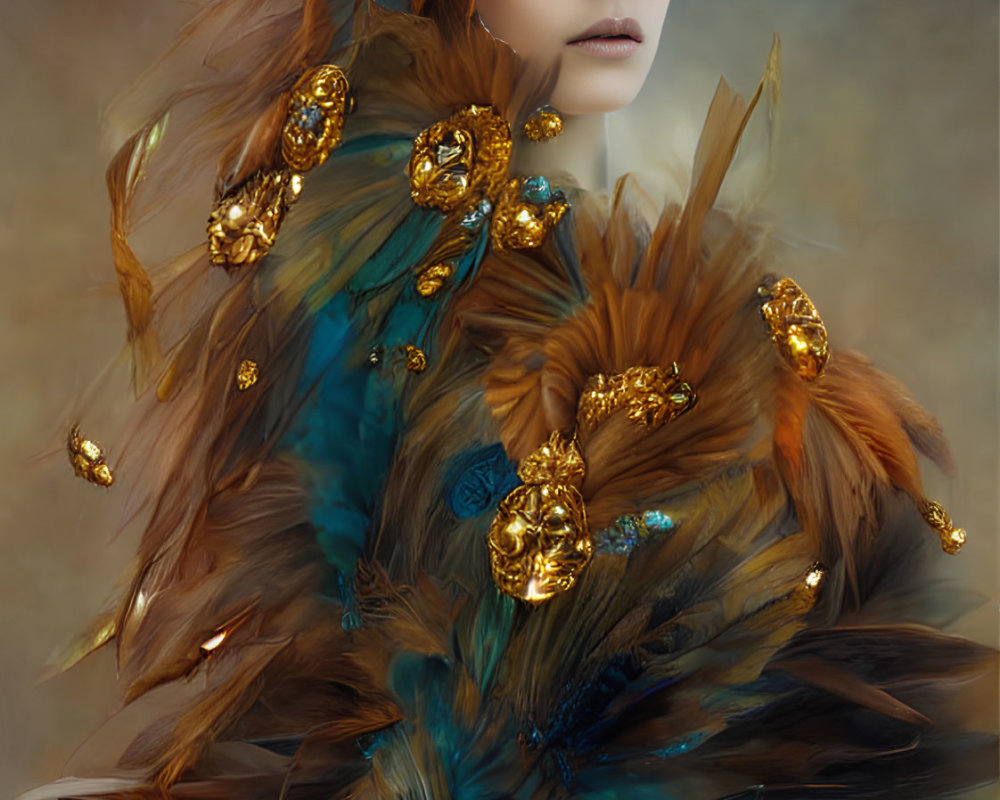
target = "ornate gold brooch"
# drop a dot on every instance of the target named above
(796, 328)
(245, 222)
(315, 118)
(539, 541)
(456, 162)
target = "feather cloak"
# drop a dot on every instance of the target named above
(331, 524)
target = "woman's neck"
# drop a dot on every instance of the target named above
(581, 150)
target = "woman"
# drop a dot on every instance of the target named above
(468, 483)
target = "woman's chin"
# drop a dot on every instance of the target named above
(597, 97)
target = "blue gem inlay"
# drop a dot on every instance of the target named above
(310, 118)
(620, 538)
(536, 189)
(475, 218)
(657, 521)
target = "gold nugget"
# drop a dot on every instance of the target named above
(247, 374)
(416, 360)
(87, 459)
(432, 278)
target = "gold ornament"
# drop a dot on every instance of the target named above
(432, 278)
(315, 118)
(244, 224)
(815, 579)
(87, 459)
(457, 161)
(416, 360)
(952, 538)
(247, 374)
(650, 395)
(544, 124)
(796, 328)
(525, 213)
(540, 541)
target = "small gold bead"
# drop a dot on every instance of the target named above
(416, 361)
(544, 124)
(247, 374)
(432, 278)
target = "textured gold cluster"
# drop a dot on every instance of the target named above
(796, 328)
(416, 359)
(540, 541)
(543, 125)
(457, 161)
(649, 395)
(952, 538)
(432, 278)
(87, 459)
(245, 222)
(518, 222)
(246, 374)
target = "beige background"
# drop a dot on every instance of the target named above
(886, 193)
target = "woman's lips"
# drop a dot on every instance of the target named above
(610, 38)
(607, 48)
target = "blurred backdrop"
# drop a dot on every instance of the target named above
(884, 200)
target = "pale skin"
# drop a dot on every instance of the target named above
(606, 49)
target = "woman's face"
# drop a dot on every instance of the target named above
(607, 46)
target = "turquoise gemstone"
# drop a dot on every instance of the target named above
(657, 521)
(475, 218)
(536, 189)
